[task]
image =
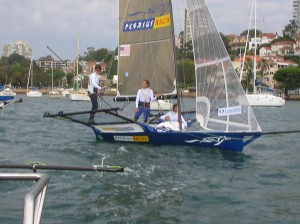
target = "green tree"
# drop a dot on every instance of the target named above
(287, 38)
(4, 74)
(14, 70)
(18, 75)
(186, 51)
(16, 58)
(226, 41)
(113, 69)
(58, 77)
(291, 29)
(249, 75)
(47, 58)
(95, 55)
(263, 66)
(70, 78)
(186, 72)
(251, 33)
(108, 58)
(295, 59)
(289, 78)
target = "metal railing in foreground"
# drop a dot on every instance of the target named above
(34, 200)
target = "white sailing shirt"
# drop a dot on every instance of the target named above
(144, 95)
(174, 118)
(93, 82)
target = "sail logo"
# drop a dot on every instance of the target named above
(159, 8)
(147, 24)
(229, 111)
(162, 21)
(144, 24)
(210, 140)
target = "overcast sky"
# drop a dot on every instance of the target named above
(56, 23)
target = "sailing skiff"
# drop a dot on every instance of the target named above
(223, 117)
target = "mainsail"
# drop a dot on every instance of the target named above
(221, 103)
(146, 46)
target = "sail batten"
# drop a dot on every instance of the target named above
(144, 42)
(212, 62)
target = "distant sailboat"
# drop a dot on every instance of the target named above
(79, 94)
(53, 94)
(261, 96)
(32, 92)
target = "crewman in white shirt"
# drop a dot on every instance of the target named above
(94, 91)
(143, 98)
(173, 117)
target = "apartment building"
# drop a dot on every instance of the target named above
(19, 47)
(296, 10)
(187, 28)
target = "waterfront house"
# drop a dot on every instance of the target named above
(265, 51)
(238, 42)
(274, 63)
(283, 47)
(267, 38)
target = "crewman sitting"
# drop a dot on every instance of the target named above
(170, 120)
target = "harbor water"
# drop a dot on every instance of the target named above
(160, 184)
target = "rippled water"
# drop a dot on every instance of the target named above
(160, 184)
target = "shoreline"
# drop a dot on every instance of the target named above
(107, 93)
(292, 97)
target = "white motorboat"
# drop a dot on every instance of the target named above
(80, 95)
(161, 105)
(34, 93)
(8, 92)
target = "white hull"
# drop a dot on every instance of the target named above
(54, 95)
(161, 105)
(8, 92)
(79, 96)
(265, 100)
(65, 93)
(34, 94)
